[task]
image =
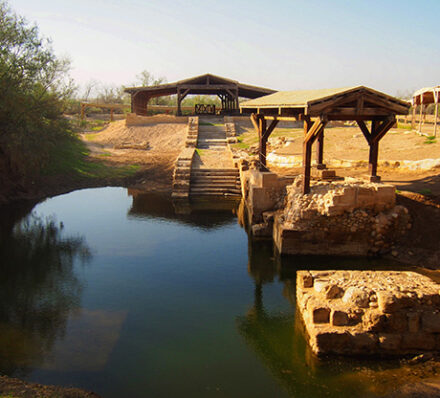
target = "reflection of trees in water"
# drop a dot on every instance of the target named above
(38, 290)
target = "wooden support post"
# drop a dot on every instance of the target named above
(413, 120)
(311, 132)
(179, 103)
(320, 151)
(262, 143)
(260, 125)
(307, 166)
(436, 95)
(421, 111)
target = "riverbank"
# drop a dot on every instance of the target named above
(11, 387)
(110, 157)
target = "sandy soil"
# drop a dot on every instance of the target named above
(162, 142)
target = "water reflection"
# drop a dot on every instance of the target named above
(279, 338)
(200, 213)
(38, 289)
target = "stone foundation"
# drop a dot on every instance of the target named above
(350, 218)
(380, 313)
(262, 191)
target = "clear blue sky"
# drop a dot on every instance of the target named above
(286, 44)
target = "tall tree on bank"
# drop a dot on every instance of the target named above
(33, 90)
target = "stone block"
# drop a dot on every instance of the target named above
(333, 292)
(357, 296)
(306, 280)
(374, 321)
(397, 322)
(413, 322)
(363, 342)
(321, 315)
(365, 197)
(390, 342)
(269, 179)
(332, 342)
(339, 318)
(387, 302)
(431, 322)
(418, 341)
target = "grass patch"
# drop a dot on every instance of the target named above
(70, 157)
(431, 139)
(206, 124)
(425, 191)
(404, 126)
(200, 151)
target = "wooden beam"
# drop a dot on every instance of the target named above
(207, 86)
(254, 121)
(364, 130)
(313, 130)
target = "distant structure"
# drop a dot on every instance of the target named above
(425, 96)
(229, 91)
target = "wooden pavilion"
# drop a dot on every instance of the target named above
(316, 108)
(227, 90)
(425, 96)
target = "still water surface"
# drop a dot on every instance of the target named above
(113, 292)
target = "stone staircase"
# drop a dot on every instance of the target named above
(212, 137)
(215, 182)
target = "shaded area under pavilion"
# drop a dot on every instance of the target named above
(318, 107)
(229, 91)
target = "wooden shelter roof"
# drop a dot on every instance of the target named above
(204, 84)
(317, 102)
(427, 95)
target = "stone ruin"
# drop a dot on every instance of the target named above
(380, 313)
(351, 217)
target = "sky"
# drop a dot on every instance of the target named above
(389, 45)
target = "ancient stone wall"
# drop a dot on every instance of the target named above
(182, 168)
(340, 218)
(136, 120)
(380, 313)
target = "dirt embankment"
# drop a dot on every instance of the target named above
(145, 154)
(152, 148)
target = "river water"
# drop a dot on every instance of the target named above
(109, 290)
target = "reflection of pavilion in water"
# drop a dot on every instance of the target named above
(203, 214)
(278, 338)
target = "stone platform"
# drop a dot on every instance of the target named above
(369, 313)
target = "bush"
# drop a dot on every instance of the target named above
(34, 87)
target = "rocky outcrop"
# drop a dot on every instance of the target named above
(385, 313)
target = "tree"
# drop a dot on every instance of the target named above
(34, 87)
